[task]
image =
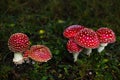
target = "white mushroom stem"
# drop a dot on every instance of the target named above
(75, 56)
(101, 47)
(88, 51)
(18, 58)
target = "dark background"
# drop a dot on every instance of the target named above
(44, 22)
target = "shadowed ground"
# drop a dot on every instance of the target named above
(44, 23)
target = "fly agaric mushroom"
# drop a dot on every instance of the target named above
(18, 43)
(72, 30)
(40, 53)
(72, 47)
(25, 56)
(105, 36)
(87, 38)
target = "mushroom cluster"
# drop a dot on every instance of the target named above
(80, 37)
(70, 32)
(19, 44)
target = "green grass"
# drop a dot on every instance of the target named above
(52, 17)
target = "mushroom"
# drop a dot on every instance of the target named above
(72, 47)
(71, 31)
(18, 43)
(105, 36)
(40, 53)
(87, 38)
(25, 56)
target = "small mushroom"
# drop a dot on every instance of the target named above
(40, 53)
(25, 56)
(72, 30)
(87, 38)
(105, 36)
(18, 43)
(72, 47)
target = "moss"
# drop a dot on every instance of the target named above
(44, 22)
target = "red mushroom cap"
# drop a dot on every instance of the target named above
(26, 53)
(106, 35)
(18, 42)
(72, 47)
(71, 31)
(87, 38)
(40, 53)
